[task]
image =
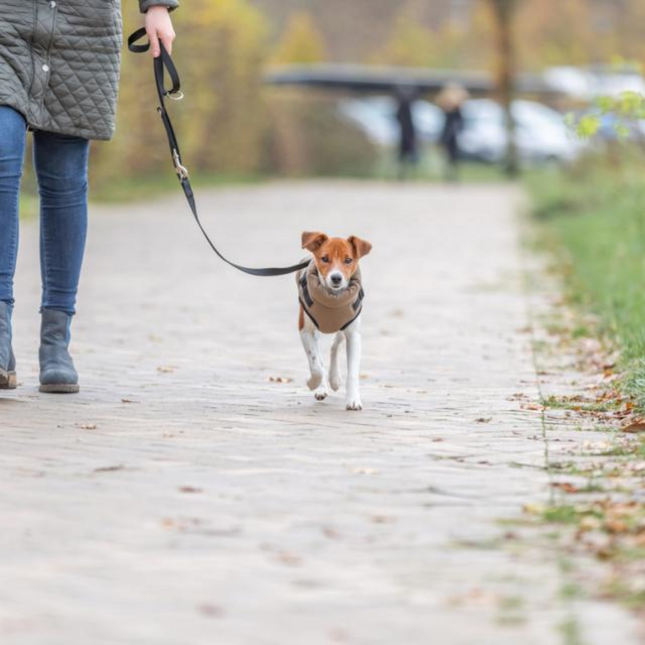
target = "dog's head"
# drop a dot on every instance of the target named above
(336, 259)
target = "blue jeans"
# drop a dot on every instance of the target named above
(60, 162)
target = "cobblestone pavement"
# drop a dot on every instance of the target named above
(196, 493)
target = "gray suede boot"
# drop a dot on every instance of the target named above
(8, 379)
(57, 372)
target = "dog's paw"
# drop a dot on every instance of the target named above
(321, 394)
(354, 404)
(335, 381)
(315, 380)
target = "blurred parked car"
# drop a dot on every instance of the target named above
(376, 117)
(587, 83)
(542, 135)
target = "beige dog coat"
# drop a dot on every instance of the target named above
(329, 311)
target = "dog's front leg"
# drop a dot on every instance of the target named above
(318, 381)
(334, 367)
(353, 337)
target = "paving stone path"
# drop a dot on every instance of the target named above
(196, 493)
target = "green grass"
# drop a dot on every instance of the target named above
(554, 403)
(595, 222)
(141, 188)
(570, 630)
(431, 169)
(28, 206)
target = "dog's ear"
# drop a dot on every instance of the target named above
(313, 241)
(361, 247)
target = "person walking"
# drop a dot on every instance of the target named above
(450, 100)
(408, 146)
(59, 74)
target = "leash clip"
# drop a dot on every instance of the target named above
(182, 171)
(175, 96)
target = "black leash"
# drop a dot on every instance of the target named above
(163, 64)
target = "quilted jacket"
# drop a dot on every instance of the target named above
(59, 62)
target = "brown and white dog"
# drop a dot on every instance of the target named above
(331, 301)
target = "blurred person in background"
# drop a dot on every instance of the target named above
(408, 151)
(59, 75)
(450, 100)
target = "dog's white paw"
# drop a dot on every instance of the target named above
(321, 393)
(315, 380)
(354, 403)
(335, 380)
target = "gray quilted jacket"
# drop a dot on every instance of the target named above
(59, 62)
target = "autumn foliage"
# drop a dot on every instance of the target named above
(231, 124)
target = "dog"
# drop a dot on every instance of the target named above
(331, 302)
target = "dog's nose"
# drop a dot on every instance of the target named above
(336, 279)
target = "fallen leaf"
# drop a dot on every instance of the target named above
(589, 523)
(566, 487)
(89, 426)
(166, 369)
(189, 489)
(616, 526)
(289, 559)
(533, 509)
(382, 519)
(634, 427)
(280, 379)
(330, 533)
(484, 420)
(212, 611)
(109, 469)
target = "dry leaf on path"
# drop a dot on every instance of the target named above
(636, 426)
(189, 489)
(109, 469)
(212, 611)
(566, 487)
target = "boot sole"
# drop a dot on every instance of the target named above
(8, 380)
(60, 388)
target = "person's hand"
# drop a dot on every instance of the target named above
(159, 28)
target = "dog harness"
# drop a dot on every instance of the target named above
(329, 311)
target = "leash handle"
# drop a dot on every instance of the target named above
(164, 64)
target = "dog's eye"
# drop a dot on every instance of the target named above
(325, 259)
(348, 260)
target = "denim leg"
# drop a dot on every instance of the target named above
(61, 167)
(13, 135)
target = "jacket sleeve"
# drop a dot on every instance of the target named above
(144, 5)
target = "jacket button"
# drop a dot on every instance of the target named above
(45, 68)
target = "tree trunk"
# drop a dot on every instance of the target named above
(504, 11)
